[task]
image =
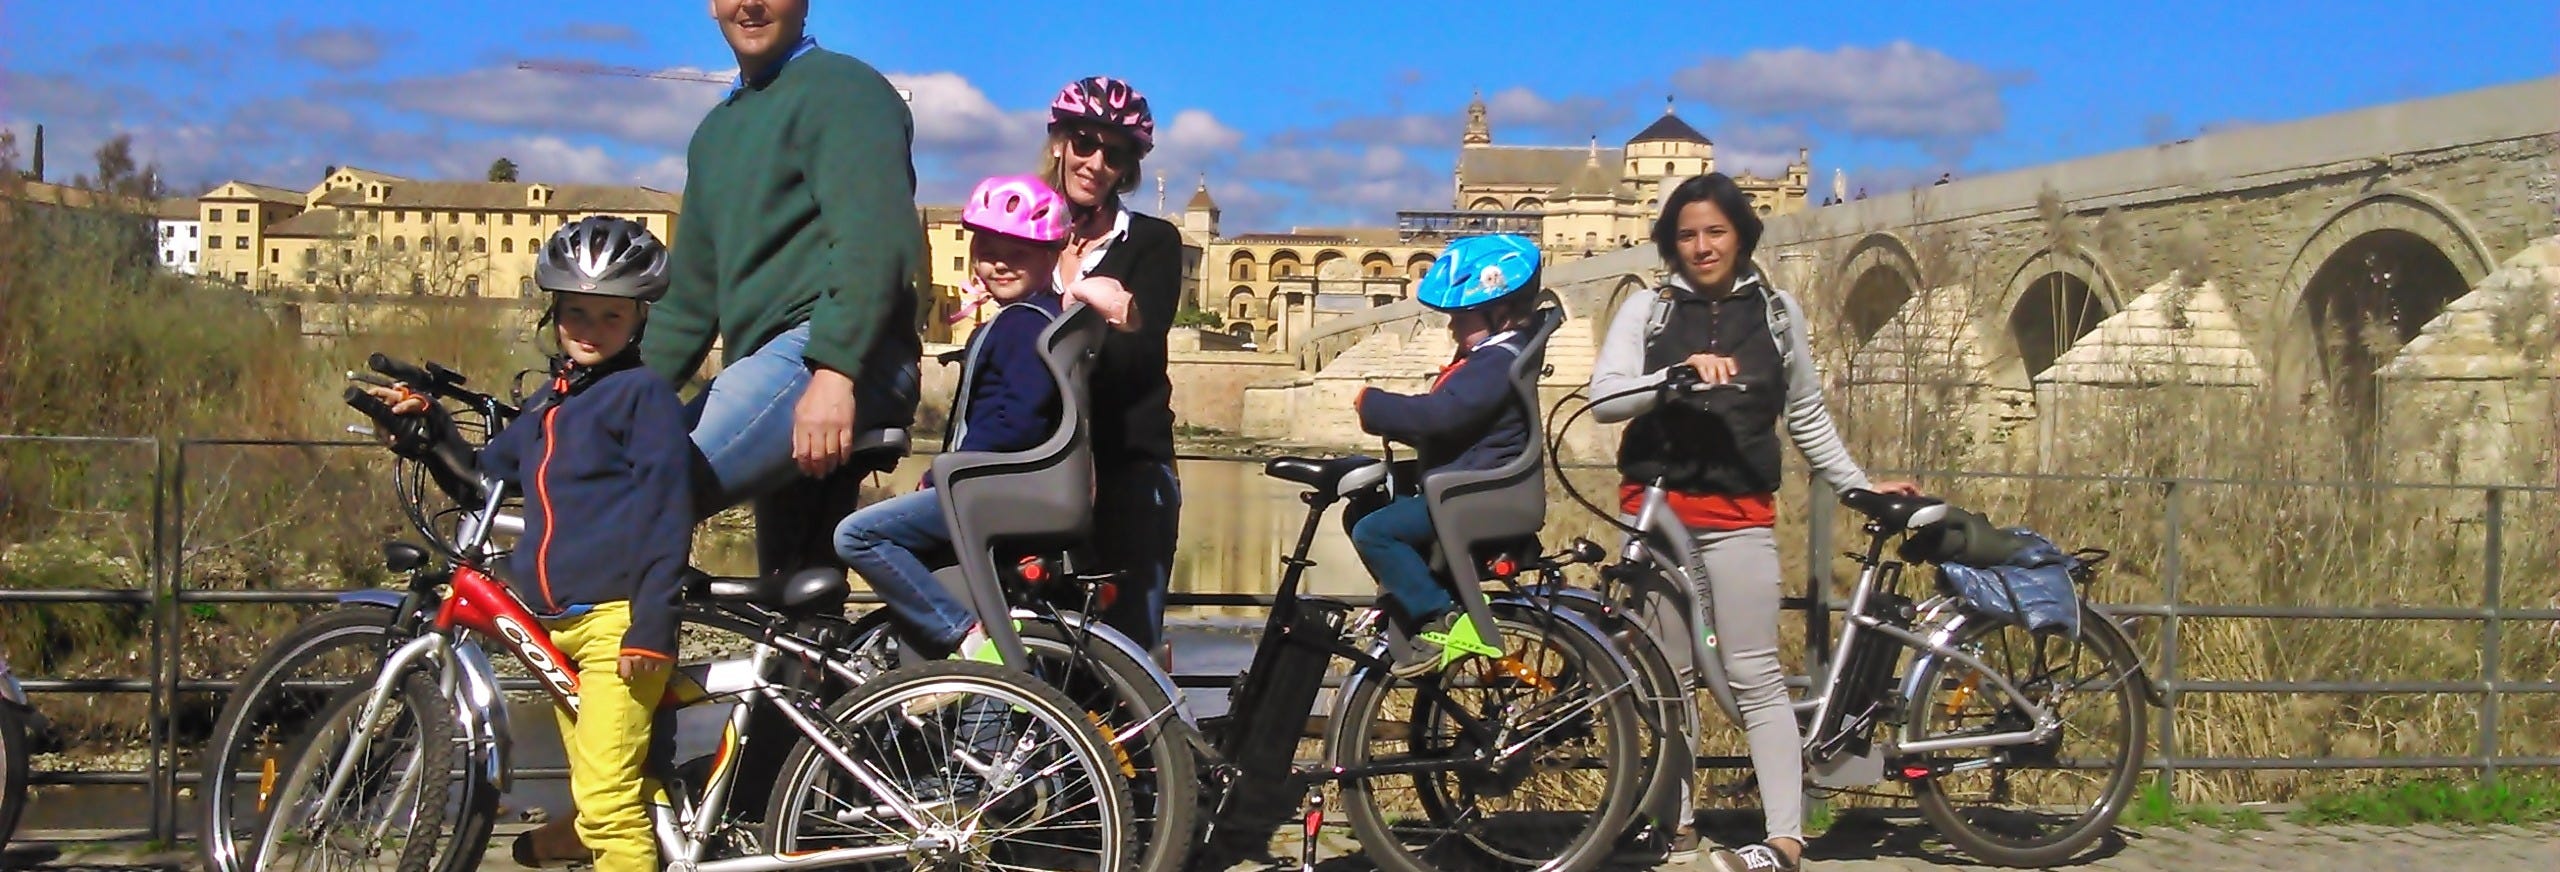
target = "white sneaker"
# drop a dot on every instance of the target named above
(1753, 858)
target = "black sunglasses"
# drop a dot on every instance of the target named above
(1086, 141)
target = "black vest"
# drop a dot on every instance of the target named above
(1731, 447)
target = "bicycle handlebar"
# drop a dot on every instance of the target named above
(438, 382)
(428, 438)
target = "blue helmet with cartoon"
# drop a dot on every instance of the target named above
(1477, 270)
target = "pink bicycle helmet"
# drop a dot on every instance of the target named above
(1109, 102)
(1018, 205)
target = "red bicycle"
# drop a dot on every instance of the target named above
(947, 764)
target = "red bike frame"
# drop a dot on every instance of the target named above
(487, 606)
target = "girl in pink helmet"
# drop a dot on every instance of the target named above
(1007, 402)
(1100, 131)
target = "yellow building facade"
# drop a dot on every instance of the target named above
(1590, 200)
(366, 233)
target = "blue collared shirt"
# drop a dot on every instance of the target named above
(740, 84)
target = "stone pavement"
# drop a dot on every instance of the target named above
(1864, 844)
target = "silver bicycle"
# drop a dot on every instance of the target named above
(2021, 748)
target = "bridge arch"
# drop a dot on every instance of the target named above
(1877, 278)
(1627, 287)
(2359, 289)
(2055, 298)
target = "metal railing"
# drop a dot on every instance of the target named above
(167, 595)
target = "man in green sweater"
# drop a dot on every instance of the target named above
(796, 249)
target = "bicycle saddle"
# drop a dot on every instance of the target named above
(1339, 476)
(815, 590)
(1896, 513)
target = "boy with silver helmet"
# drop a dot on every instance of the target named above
(602, 456)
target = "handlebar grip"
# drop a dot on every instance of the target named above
(400, 370)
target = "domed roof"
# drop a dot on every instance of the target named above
(1669, 128)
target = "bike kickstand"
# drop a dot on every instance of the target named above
(1314, 821)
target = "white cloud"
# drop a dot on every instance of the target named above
(1896, 91)
(597, 32)
(1518, 107)
(344, 49)
(640, 111)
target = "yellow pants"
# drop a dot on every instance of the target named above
(608, 740)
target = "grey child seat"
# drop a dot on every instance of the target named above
(1480, 508)
(1036, 499)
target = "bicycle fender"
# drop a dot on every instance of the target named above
(1502, 606)
(10, 691)
(2108, 624)
(482, 709)
(372, 596)
(1077, 622)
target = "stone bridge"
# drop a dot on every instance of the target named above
(2389, 259)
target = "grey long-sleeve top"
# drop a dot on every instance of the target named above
(1621, 369)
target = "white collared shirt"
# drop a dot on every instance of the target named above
(1092, 259)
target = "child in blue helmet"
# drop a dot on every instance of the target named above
(1469, 420)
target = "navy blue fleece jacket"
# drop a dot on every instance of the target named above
(1469, 420)
(1008, 401)
(603, 461)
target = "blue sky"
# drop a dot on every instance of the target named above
(1295, 116)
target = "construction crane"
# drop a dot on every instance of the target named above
(580, 68)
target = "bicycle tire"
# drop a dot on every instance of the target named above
(13, 769)
(1358, 715)
(250, 710)
(1667, 703)
(1993, 848)
(1030, 697)
(314, 759)
(1164, 784)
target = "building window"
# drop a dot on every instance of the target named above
(453, 217)
(471, 286)
(240, 215)
(426, 244)
(275, 255)
(400, 216)
(453, 244)
(480, 245)
(956, 234)
(399, 243)
(311, 277)
(644, 222)
(241, 278)
(240, 242)
(346, 256)
(213, 242)
(417, 284)
(168, 233)
(507, 246)
(479, 217)
(508, 219)
(191, 231)
(524, 286)
(372, 242)
(191, 257)
(213, 216)
(959, 263)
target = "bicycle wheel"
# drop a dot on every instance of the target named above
(13, 769)
(1564, 775)
(2040, 804)
(389, 814)
(1135, 717)
(1664, 736)
(978, 767)
(279, 701)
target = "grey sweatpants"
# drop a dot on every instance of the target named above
(1739, 569)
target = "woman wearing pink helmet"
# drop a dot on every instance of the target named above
(1099, 131)
(1007, 402)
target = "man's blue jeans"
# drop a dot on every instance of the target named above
(888, 543)
(1391, 542)
(1137, 507)
(742, 431)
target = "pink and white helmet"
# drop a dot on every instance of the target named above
(1017, 205)
(1106, 101)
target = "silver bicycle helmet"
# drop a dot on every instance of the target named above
(603, 255)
